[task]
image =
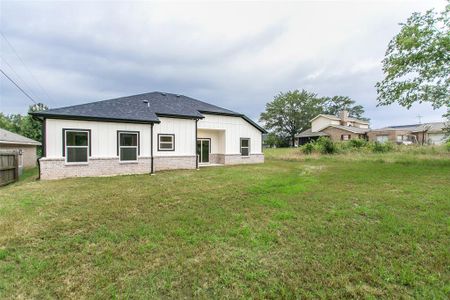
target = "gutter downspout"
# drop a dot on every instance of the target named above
(44, 148)
(196, 156)
(152, 172)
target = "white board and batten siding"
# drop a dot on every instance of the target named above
(184, 131)
(229, 130)
(217, 138)
(103, 136)
(235, 128)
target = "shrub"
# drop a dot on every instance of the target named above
(326, 145)
(357, 143)
(448, 146)
(308, 148)
(382, 147)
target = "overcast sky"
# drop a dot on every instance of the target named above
(236, 55)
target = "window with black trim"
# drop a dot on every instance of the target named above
(166, 142)
(245, 147)
(345, 137)
(76, 146)
(128, 145)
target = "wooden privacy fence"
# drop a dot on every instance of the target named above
(9, 167)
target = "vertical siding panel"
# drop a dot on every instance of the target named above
(103, 136)
(235, 128)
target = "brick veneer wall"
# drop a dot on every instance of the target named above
(235, 159)
(174, 162)
(56, 168)
(335, 134)
(217, 159)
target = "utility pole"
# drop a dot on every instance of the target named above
(420, 118)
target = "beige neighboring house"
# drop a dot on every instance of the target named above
(427, 133)
(342, 128)
(10, 141)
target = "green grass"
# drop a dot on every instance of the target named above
(363, 226)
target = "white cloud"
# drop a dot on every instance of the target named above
(234, 54)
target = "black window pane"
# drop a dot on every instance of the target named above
(167, 139)
(166, 146)
(77, 154)
(76, 138)
(244, 151)
(128, 154)
(128, 139)
(244, 143)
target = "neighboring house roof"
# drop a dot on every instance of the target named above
(333, 117)
(142, 108)
(350, 128)
(8, 137)
(309, 133)
(435, 127)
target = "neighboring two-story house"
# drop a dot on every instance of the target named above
(340, 128)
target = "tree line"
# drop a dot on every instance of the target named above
(290, 113)
(416, 69)
(24, 125)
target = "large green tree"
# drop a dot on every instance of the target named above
(24, 125)
(417, 62)
(333, 105)
(289, 113)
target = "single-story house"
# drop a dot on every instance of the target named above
(144, 133)
(25, 147)
(426, 133)
(340, 128)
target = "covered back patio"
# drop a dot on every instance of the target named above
(210, 147)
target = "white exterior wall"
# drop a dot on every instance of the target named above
(217, 139)
(103, 136)
(360, 125)
(184, 131)
(322, 122)
(235, 128)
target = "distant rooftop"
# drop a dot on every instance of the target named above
(8, 137)
(333, 117)
(430, 127)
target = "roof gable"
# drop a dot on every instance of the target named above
(333, 117)
(8, 137)
(142, 108)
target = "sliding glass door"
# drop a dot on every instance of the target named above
(203, 149)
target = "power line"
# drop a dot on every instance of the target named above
(20, 78)
(25, 93)
(29, 71)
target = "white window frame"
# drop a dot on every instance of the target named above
(346, 137)
(382, 138)
(66, 147)
(172, 143)
(129, 147)
(241, 147)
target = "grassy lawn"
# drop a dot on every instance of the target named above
(373, 225)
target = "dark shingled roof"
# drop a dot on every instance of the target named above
(134, 109)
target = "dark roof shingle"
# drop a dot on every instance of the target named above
(142, 108)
